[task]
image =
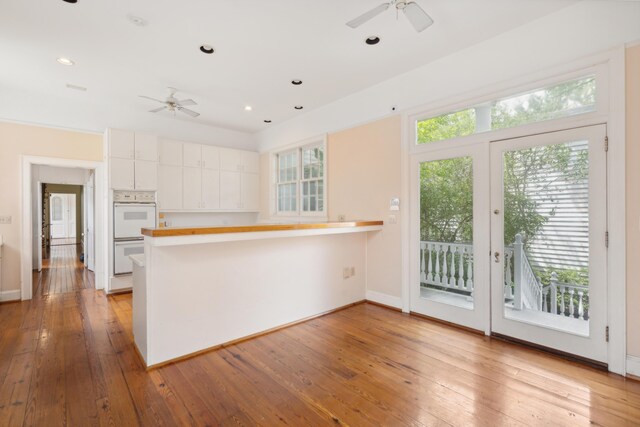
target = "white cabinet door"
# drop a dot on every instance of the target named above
(210, 157)
(170, 152)
(210, 189)
(230, 160)
(121, 144)
(230, 190)
(122, 176)
(146, 174)
(250, 191)
(170, 187)
(146, 147)
(192, 155)
(191, 188)
(250, 162)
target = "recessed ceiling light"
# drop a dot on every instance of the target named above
(267, 121)
(298, 107)
(372, 40)
(71, 1)
(136, 20)
(296, 82)
(205, 48)
(248, 108)
(76, 87)
(65, 61)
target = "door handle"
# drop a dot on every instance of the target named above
(496, 256)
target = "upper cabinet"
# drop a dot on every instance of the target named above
(146, 147)
(210, 157)
(239, 161)
(133, 160)
(192, 155)
(121, 144)
(170, 152)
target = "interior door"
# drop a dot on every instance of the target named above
(90, 229)
(57, 212)
(549, 262)
(40, 222)
(450, 238)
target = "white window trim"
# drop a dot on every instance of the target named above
(610, 71)
(297, 215)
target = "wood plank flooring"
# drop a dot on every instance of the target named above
(63, 272)
(67, 358)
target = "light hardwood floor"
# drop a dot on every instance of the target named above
(67, 358)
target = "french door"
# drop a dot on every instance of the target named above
(548, 241)
(509, 238)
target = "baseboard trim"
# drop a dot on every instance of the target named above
(384, 299)
(10, 296)
(248, 337)
(633, 366)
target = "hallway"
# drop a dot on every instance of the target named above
(62, 272)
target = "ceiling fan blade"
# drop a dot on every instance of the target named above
(153, 99)
(187, 102)
(418, 17)
(189, 112)
(155, 110)
(355, 23)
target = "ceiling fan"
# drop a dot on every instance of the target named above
(172, 104)
(414, 13)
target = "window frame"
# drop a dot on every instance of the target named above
(299, 148)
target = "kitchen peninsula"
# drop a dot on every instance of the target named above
(199, 288)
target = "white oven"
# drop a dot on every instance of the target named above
(129, 218)
(122, 264)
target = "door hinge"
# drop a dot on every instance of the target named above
(606, 144)
(606, 333)
(606, 239)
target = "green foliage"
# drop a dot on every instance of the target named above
(574, 276)
(460, 123)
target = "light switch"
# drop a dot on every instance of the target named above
(394, 204)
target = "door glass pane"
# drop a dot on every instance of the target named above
(446, 231)
(546, 236)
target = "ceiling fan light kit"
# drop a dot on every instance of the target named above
(172, 104)
(416, 16)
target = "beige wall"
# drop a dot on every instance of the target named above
(363, 175)
(15, 141)
(633, 199)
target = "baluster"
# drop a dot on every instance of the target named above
(429, 262)
(553, 303)
(445, 269)
(470, 262)
(436, 278)
(423, 253)
(580, 305)
(571, 292)
(461, 268)
(452, 278)
(562, 292)
(545, 292)
(508, 291)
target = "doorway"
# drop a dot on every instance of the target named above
(532, 263)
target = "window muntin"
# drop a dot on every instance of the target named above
(300, 181)
(569, 98)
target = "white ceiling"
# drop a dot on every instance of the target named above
(260, 46)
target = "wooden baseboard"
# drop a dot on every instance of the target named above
(633, 377)
(248, 337)
(383, 305)
(120, 292)
(444, 322)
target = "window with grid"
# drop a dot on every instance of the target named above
(300, 181)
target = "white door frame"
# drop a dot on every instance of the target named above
(612, 62)
(26, 240)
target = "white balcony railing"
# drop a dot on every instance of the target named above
(449, 267)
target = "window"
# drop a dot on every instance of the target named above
(569, 98)
(56, 208)
(300, 180)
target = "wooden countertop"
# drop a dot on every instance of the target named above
(193, 231)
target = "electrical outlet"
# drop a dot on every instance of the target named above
(5, 219)
(393, 219)
(342, 217)
(345, 273)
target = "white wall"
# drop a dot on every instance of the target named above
(204, 219)
(576, 31)
(58, 175)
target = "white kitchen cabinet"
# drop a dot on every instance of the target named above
(122, 174)
(210, 157)
(230, 160)
(146, 147)
(250, 191)
(230, 197)
(192, 188)
(146, 175)
(192, 155)
(170, 152)
(121, 144)
(210, 189)
(170, 187)
(250, 162)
